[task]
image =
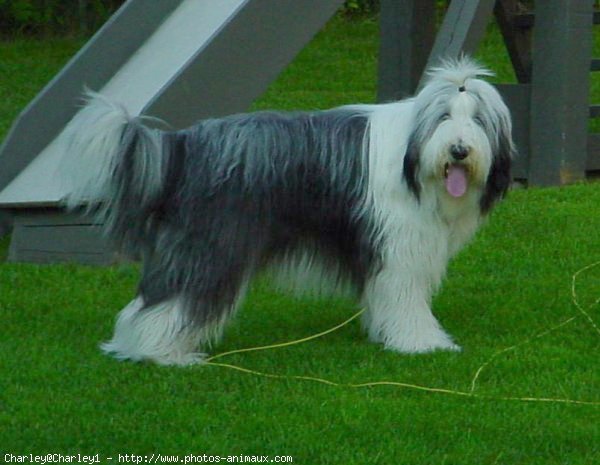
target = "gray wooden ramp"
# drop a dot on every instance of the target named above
(178, 60)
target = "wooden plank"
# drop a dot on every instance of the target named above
(517, 97)
(60, 238)
(527, 20)
(593, 153)
(205, 59)
(47, 257)
(594, 111)
(238, 63)
(93, 66)
(517, 39)
(52, 217)
(462, 29)
(523, 20)
(407, 33)
(48, 235)
(5, 222)
(560, 93)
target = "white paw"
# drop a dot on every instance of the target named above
(419, 344)
(176, 358)
(420, 347)
(187, 359)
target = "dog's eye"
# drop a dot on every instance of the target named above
(444, 117)
(479, 121)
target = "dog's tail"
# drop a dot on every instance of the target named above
(113, 166)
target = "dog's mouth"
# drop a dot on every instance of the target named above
(456, 179)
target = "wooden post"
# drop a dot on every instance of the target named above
(516, 29)
(463, 27)
(562, 41)
(407, 30)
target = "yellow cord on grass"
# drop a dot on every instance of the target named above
(468, 394)
(290, 343)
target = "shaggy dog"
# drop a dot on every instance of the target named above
(379, 197)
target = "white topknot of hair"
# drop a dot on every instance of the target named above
(458, 70)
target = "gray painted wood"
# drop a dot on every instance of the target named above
(517, 39)
(168, 48)
(5, 223)
(517, 97)
(593, 153)
(462, 29)
(233, 66)
(44, 118)
(205, 59)
(594, 111)
(407, 33)
(562, 41)
(51, 235)
(241, 61)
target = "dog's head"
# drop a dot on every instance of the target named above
(461, 138)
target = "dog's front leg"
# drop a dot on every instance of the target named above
(398, 300)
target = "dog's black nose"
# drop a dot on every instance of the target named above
(459, 152)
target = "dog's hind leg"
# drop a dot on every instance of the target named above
(188, 292)
(174, 330)
(161, 333)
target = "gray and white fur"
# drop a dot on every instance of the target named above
(379, 196)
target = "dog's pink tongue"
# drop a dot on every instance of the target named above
(456, 181)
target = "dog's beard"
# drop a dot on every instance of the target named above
(456, 178)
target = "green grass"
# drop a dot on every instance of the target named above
(59, 394)
(26, 65)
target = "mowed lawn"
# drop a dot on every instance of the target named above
(525, 389)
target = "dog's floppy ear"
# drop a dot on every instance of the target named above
(499, 177)
(411, 166)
